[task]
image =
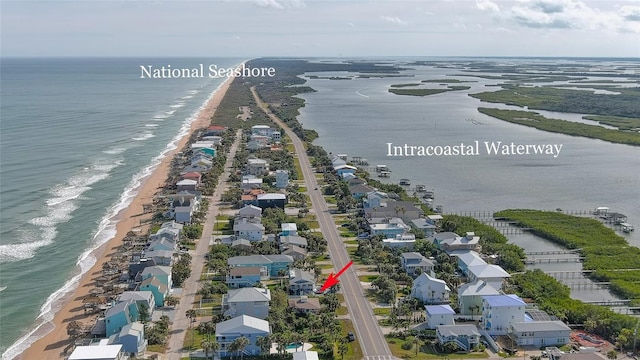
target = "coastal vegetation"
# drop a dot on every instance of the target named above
(533, 119)
(426, 92)
(625, 104)
(605, 253)
(447, 81)
(622, 123)
(404, 85)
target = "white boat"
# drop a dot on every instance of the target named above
(384, 174)
(405, 182)
(381, 168)
(626, 227)
(421, 188)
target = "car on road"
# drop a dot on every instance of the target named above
(351, 336)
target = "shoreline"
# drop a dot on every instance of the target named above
(54, 338)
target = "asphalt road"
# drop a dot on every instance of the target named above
(368, 333)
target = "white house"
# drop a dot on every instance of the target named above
(467, 337)
(257, 166)
(248, 229)
(240, 326)
(540, 333)
(470, 297)
(467, 259)
(439, 315)
(500, 311)
(301, 282)
(406, 241)
(289, 229)
(247, 301)
(282, 179)
(250, 212)
(305, 355)
(493, 275)
(468, 242)
(99, 352)
(430, 289)
(411, 261)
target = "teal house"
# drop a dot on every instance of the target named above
(273, 263)
(120, 315)
(160, 291)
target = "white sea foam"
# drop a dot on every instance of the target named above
(115, 151)
(170, 112)
(176, 106)
(106, 231)
(151, 125)
(160, 117)
(144, 136)
(186, 97)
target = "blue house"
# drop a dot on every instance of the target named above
(243, 325)
(159, 290)
(131, 337)
(120, 315)
(341, 170)
(162, 273)
(273, 263)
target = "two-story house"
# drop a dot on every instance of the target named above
(247, 301)
(500, 311)
(430, 290)
(410, 261)
(241, 326)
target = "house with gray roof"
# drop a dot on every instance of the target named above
(131, 337)
(437, 315)
(251, 230)
(305, 305)
(296, 252)
(468, 242)
(494, 275)
(467, 337)
(466, 259)
(410, 261)
(162, 273)
(249, 212)
(424, 225)
(430, 290)
(247, 301)
(540, 333)
(160, 290)
(287, 241)
(243, 325)
(139, 297)
(470, 296)
(273, 263)
(120, 315)
(162, 244)
(160, 256)
(301, 282)
(246, 276)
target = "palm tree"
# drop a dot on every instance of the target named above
(191, 314)
(416, 342)
(206, 347)
(238, 345)
(343, 348)
(264, 342)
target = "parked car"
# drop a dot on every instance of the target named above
(351, 337)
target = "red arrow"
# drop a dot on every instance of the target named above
(333, 279)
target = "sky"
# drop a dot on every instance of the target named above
(323, 28)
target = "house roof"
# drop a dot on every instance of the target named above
(136, 296)
(457, 330)
(488, 271)
(100, 352)
(445, 235)
(156, 270)
(118, 308)
(298, 275)
(478, 287)
(258, 259)
(422, 223)
(412, 256)
(247, 226)
(470, 258)
(248, 294)
(289, 227)
(241, 242)
(186, 182)
(242, 324)
(244, 270)
(340, 167)
(272, 196)
(294, 249)
(293, 240)
(305, 355)
(162, 241)
(135, 328)
(503, 300)
(216, 128)
(540, 326)
(424, 279)
(360, 189)
(439, 310)
(154, 282)
(251, 209)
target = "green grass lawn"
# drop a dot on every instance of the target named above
(342, 310)
(382, 311)
(348, 234)
(351, 242)
(354, 351)
(330, 199)
(367, 278)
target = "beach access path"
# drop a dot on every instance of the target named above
(372, 342)
(190, 287)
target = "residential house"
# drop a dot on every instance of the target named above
(169, 230)
(131, 337)
(430, 290)
(247, 301)
(162, 273)
(216, 140)
(301, 282)
(242, 244)
(160, 256)
(207, 151)
(424, 225)
(337, 161)
(160, 290)
(271, 200)
(466, 337)
(410, 261)
(388, 227)
(470, 297)
(287, 241)
(139, 297)
(273, 263)
(265, 130)
(296, 252)
(98, 352)
(202, 160)
(289, 229)
(257, 167)
(162, 244)
(466, 259)
(540, 333)
(374, 200)
(246, 276)
(215, 130)
(282, 179)
(469, 242)
(203, 144)
(251, 230)
(355, 181)
(500, 311)
(392, 208)
(439, 315)
(120, 315)
(494, 275)
(186, 185)
(305, 305)
(406, 241)
(183, 205)
(360, 191)
(250, 197)
(250, 182)
(243, 325)
(250, 212)
(258, 141)
(345, 169)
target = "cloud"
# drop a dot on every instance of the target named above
(394, 20)
(487, 5)
(280, 4)
(564, 14)
(630, 13)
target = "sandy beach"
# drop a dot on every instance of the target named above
(53, 343)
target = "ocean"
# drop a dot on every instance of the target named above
(77, 136)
